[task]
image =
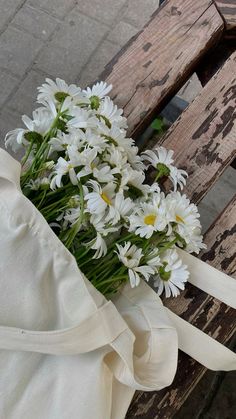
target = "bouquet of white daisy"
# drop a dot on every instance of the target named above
(89, 182)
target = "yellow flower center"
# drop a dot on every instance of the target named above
(92, 165)
(150, 219)
(70, 166)
(105, 198)
(179, 219)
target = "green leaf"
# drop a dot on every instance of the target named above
(158, 125)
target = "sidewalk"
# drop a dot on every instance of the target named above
(59, 38)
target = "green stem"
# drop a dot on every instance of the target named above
(76, 227)
(25, 158)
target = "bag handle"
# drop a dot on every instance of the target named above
(210, 280)
(200, 346)
(100, 329)
(206, 350)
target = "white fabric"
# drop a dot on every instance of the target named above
(66, 352)
(210, 280)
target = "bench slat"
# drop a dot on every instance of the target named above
(205, 312)
(204, 137)
(155, 63)
(228, 10)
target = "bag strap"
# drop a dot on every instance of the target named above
(210, 280)
(100, 329)
(206, 350)
(193, 341)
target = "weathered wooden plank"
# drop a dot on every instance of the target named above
(156, 62)
(227, 9)
(204, 137)
(204, 312)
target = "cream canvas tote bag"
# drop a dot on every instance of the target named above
(65, 351)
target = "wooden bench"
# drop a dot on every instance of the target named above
(145, 75)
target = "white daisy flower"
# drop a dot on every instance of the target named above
(132, 181)
(120, 209)
(104, 173)
(159, 156)
(38, 183)
(116, 136)
(161, 159)
(102, 227)
(108, 113)
(194, 241)
(124, 206)
(98, 244)
(72, 215)
(183, 213)
(96, 93)
(100, 199)
(81, 118)
(147, 219)
(41, 121)
(172, 275)
(115, 157)
(58, 91)
(15, 139)
(39, 124)
(130, 256)
(94, 140)
(81, 158)
(154, 188)
(153, 259)
(62, 141)
(178, 177)
(62, 168)
(100, 89)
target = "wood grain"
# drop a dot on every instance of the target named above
(206, 313)
(159, 59)
(227, 9)
(204, 137)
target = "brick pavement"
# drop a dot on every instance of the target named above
(73, 39)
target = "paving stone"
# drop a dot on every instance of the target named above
(138, 12)
(7, 84)
(103, 10)
(36, 22)
(17, 50)
(80, 33)
(219, 195)
(24, 100)
(59, 62)
(9, 120)
(57, 8)
(97, 63)
(229, 178)
(7, 10)
(68, 52)
(121, 33)
(191, 89)
(207, 215)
